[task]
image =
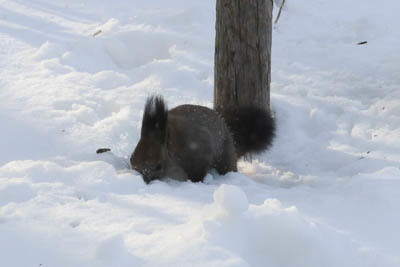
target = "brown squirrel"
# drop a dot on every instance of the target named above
(189, 140)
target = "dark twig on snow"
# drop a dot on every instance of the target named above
(102, 150)
(97, 33)
(362, 43)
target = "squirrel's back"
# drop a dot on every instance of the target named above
(198, 121)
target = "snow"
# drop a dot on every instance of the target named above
(74, 76)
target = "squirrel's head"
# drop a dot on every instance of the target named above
(149, 158)
(150, 155)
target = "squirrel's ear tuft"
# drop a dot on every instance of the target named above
(155, 117)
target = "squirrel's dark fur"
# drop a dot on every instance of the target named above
(189, 140)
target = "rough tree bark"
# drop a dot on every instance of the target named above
(242, 64)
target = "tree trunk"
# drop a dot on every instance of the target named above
(242, 64)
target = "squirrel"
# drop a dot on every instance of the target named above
(184, 143)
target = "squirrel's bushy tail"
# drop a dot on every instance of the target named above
(252, 128)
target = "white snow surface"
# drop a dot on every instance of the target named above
(74, 76)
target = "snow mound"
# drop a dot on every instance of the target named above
(271, 234)
(113, 252)
(231, 199)
(135, 48)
